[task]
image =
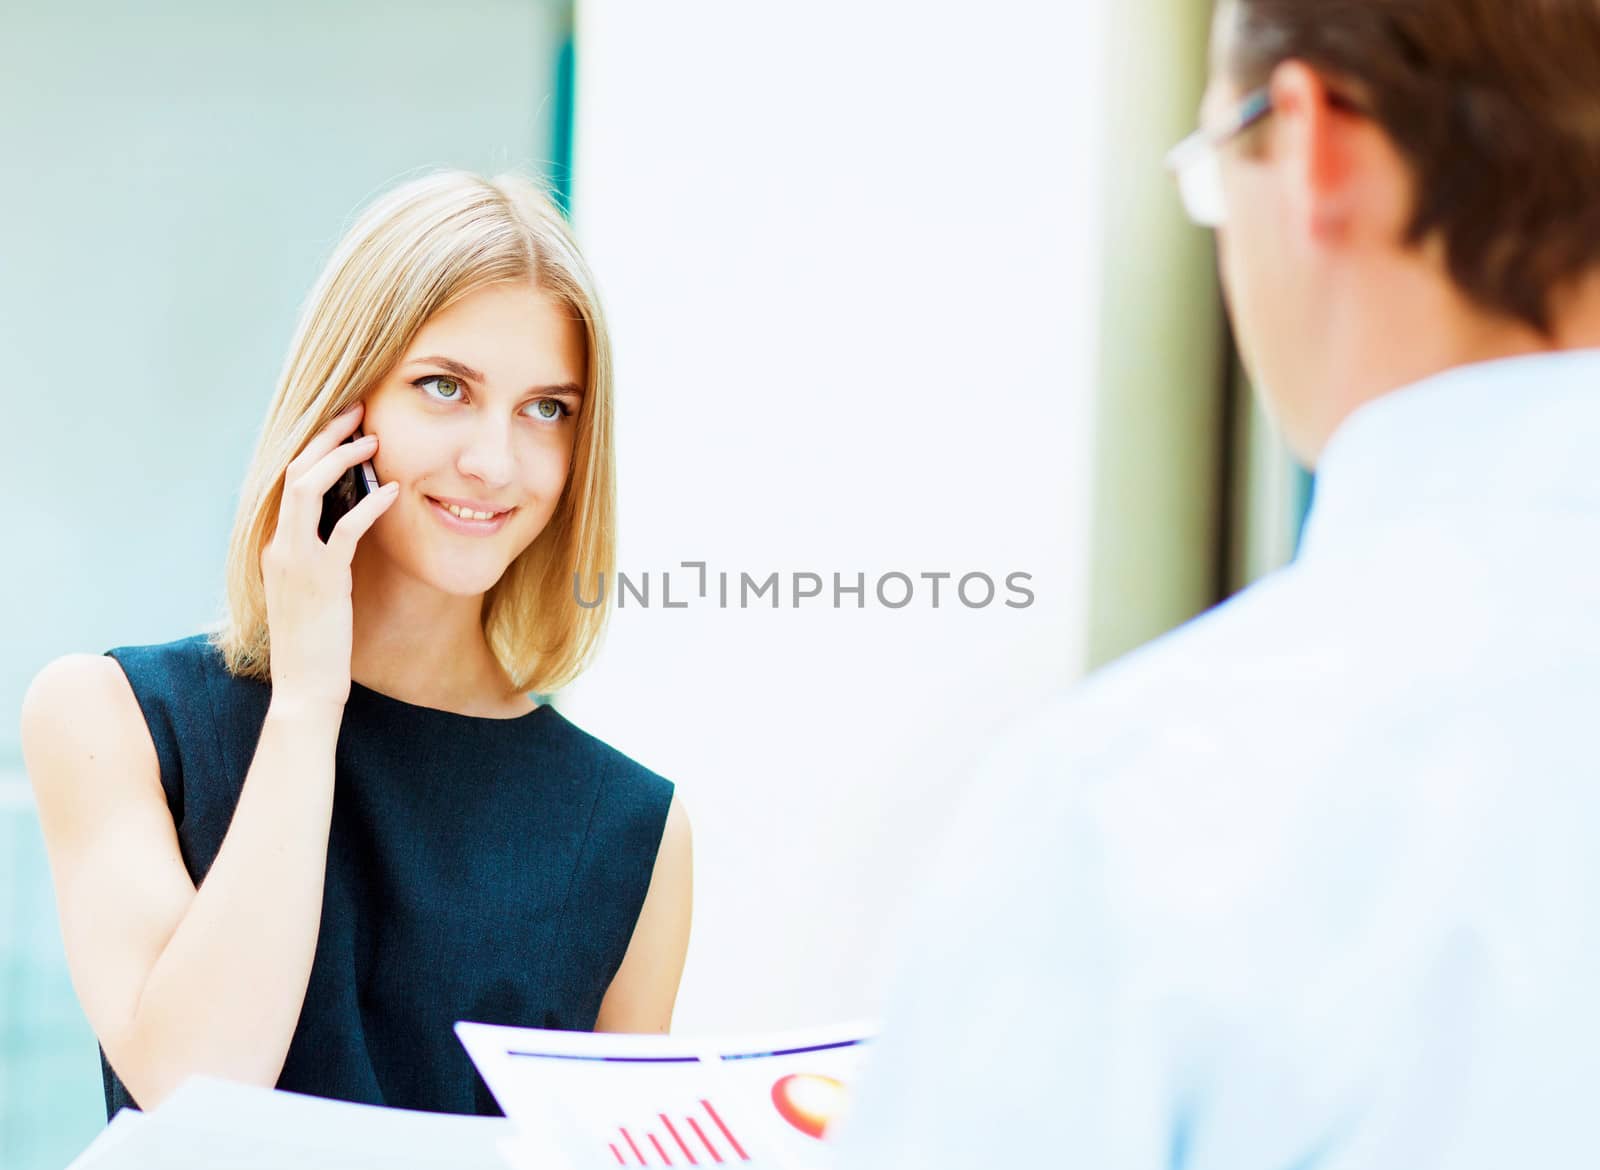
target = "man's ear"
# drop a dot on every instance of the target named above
(1313, 151)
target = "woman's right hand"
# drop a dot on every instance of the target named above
(308, 582)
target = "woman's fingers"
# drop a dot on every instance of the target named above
(325, 440)
(353, 525)
(302, 494)
(325, 472)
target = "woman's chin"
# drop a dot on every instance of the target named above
(456, 575)
(460, 568)
(459, 582)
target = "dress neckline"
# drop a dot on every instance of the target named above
(438, 712)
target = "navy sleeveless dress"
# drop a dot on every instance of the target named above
(478, 869)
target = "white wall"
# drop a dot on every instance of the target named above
(850, 254)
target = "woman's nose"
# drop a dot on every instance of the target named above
(488, 455)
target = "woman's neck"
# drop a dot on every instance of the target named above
(414, 643)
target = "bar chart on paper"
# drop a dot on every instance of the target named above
(693, 1139)
(583, 1101)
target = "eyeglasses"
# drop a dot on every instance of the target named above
(1196, 163)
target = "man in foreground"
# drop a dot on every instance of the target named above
(1308, 882)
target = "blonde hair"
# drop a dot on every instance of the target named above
(415, 251)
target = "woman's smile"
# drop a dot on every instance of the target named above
(469, 520)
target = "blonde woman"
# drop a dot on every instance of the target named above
(295, 851)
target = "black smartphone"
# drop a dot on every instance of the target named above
(353, 486)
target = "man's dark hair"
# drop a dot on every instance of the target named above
(1494, 103)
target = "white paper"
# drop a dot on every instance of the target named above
(112, 1136)
(586, 1101)
(216, 1125)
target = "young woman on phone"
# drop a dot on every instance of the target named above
(296, 850)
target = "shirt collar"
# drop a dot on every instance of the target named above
(1517, 432)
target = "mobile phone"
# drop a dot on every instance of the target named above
(353, 486)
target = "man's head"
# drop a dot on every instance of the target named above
(1420, 188)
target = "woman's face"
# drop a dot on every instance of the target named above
(480, 413)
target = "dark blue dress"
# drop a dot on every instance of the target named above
(478, 869)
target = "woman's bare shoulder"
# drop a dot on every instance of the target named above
(80, 716)
(75, 686)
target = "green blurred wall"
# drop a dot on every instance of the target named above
(1161, 405)
(1195, 495)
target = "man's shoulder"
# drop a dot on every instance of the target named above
(1186, 757)
(1206, 679)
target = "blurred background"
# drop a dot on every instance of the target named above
(894, 288)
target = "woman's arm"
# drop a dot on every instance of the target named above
(641, 997)
(176, 981)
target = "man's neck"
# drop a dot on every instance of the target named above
(1578, 315)
(1417, 338)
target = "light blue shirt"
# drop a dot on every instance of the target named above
(1313, 881)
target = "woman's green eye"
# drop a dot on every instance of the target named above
(441, 388)
(444, 388)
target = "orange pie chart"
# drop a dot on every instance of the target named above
(808, 1101)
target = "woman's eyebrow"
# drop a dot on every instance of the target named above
(462, 370)
(459, 369)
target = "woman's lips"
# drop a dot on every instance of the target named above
(465, 526)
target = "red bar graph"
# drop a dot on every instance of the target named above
(695, 1142)
(704, 1141)
(682, 1145)
(726, 1132)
